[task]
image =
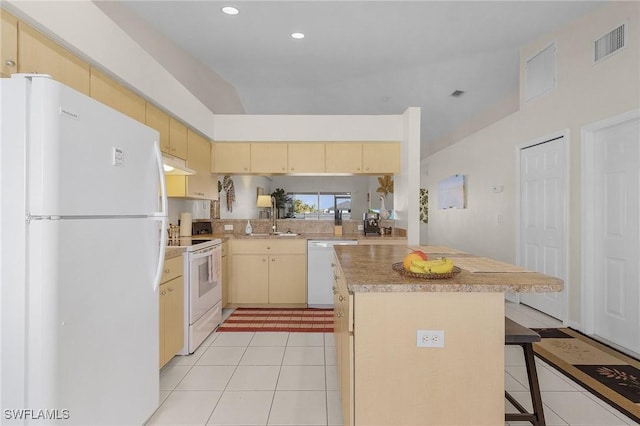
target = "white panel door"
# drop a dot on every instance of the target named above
(617, 247)
(543, 220)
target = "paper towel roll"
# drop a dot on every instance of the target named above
(185, 224)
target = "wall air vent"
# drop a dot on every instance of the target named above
(609, 43)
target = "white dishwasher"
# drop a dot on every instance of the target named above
(320, 273)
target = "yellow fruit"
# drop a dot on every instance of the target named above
(445, 268)
(417, 270)
(428, 263)
(408, 259)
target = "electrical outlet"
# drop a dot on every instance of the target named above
(360, 227)
(430, 338)
(228, 227)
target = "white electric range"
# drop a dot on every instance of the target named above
(203, 288)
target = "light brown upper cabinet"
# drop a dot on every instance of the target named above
(268, 158)
(177, 139)
(231, 157)
(306, 158)
(8, 44)
(111, 93)
(343, 157)
(173, 134)
(381, 158)
(202, 184)
(159, 120)
(37, 54)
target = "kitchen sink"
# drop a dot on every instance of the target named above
(274, 234)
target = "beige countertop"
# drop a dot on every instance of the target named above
(367, 268)
(170, 252)
(177, 251)
(306, 236)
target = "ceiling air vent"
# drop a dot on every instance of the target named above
(608, 43)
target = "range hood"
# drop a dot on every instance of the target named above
(175, 166)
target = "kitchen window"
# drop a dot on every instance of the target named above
(321, 205)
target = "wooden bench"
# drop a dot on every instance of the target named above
(516, 334)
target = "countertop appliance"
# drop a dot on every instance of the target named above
(82, 251)
(371, 223)
(320, 271)
(203, 289)
(199, 227)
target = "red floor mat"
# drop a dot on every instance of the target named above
(276, 319)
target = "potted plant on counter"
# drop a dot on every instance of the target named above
(282, 200)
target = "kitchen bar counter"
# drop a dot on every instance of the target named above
(384, 323)
(368, 269)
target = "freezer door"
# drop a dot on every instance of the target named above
(92, 319)
(85, 158)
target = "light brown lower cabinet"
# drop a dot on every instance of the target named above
(171, 295)
(385, 379)
(268, 272)
(343, 331)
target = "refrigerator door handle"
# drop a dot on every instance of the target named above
(161, 215)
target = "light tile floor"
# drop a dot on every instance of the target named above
(265, 379)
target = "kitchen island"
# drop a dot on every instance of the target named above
(385, 378)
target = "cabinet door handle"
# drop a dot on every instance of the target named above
(166, 271)
(341, 298)
(162, 293)
(273, 259)
(171, 289)
(335, 290)
(339, 314)
(264, 260)
(10, 63)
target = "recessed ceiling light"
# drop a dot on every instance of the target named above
(297, 35)
(230, 10)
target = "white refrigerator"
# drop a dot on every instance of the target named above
(82, 215)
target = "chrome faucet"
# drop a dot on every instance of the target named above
(274, 226)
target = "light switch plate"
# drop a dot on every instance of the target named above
(228, 227)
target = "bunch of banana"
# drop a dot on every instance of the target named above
(436, 266)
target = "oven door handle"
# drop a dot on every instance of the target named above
(196, 256)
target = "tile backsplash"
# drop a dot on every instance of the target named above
(294, 225)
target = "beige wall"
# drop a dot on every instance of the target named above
(585, 93)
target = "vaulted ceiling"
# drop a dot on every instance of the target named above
(360, 57)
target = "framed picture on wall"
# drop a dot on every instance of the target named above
(451, 193)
